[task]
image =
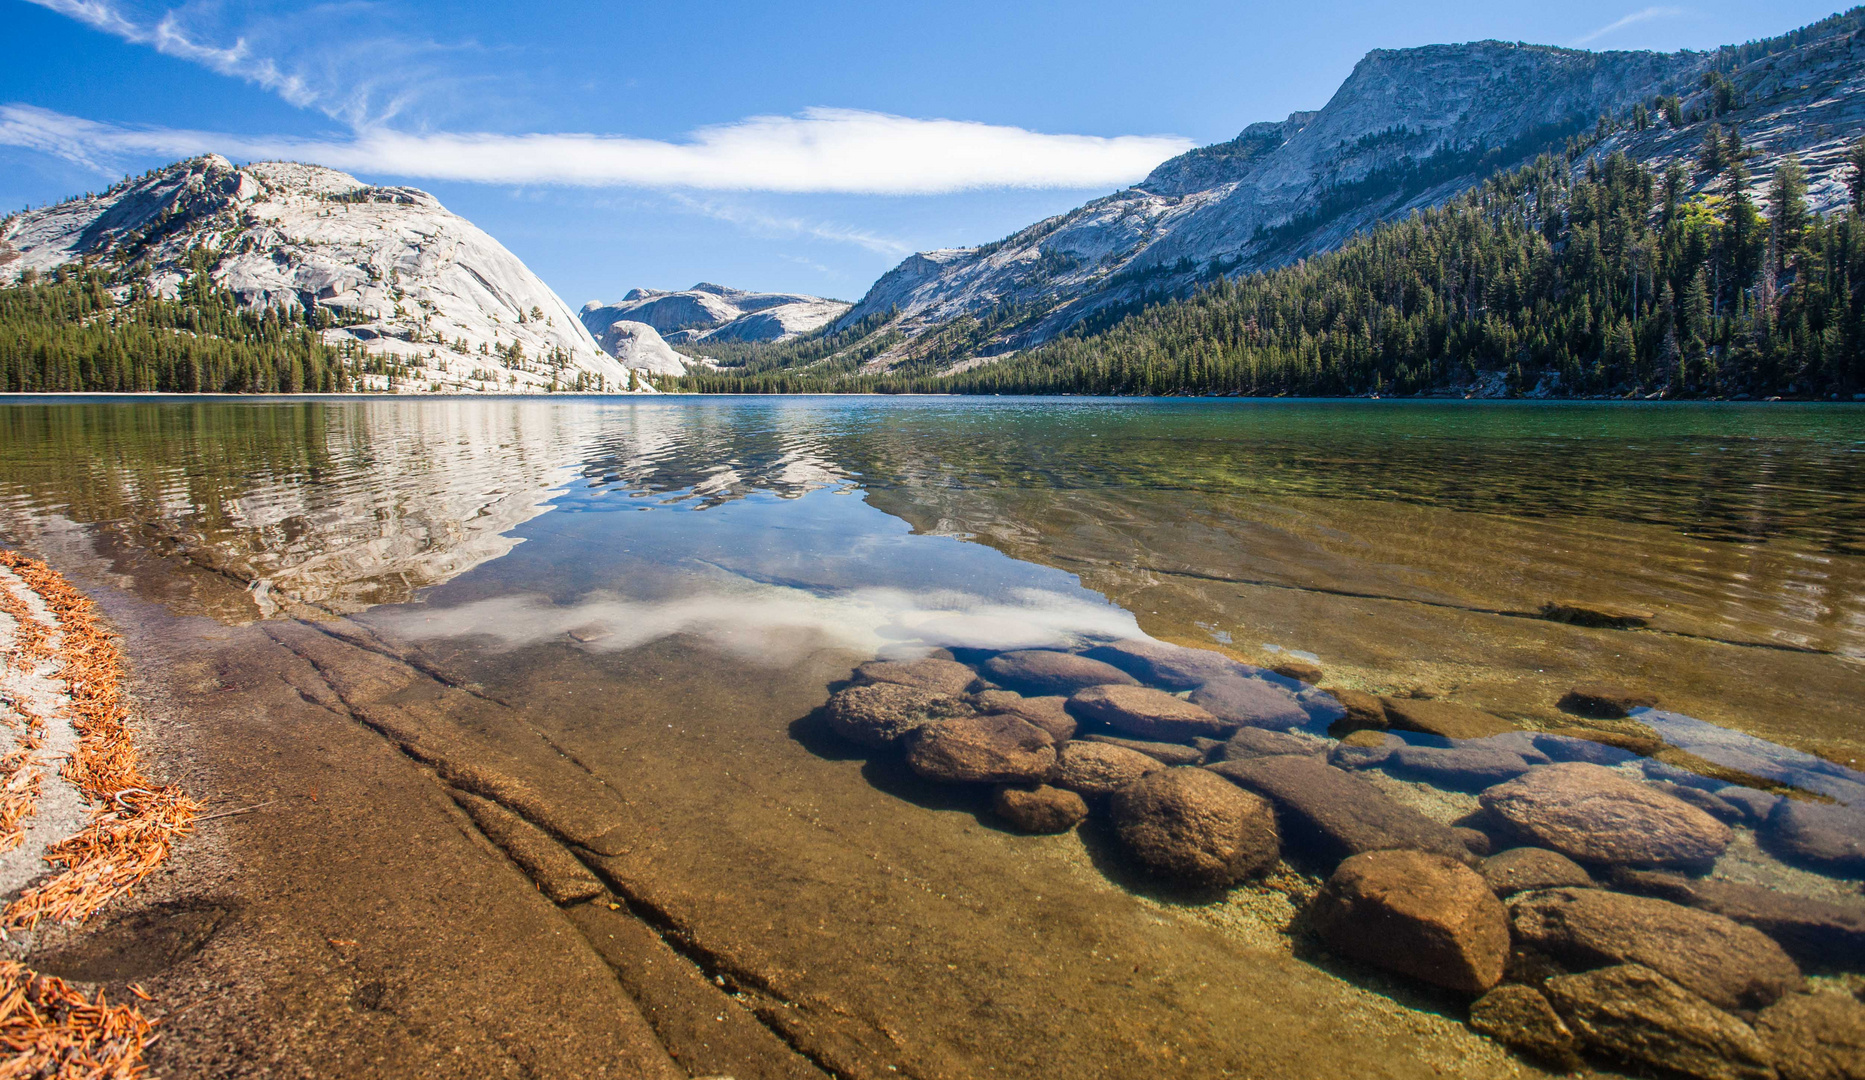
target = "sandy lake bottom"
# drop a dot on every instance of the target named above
(604, 643)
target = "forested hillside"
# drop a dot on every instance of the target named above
(1601, 280)
(68, 333)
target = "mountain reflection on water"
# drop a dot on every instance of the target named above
(1733, 523)
(299, 481)
(1403, 543)
(1729, 523)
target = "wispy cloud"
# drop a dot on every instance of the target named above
(1642, 15)
(773, 225)
(332, 57)
(167, 37)
(842, 151)
(812, 264)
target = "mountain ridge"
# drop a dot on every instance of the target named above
(1408, 129)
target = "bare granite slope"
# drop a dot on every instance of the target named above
(1409, 128)
(708, 312)
(393, 269)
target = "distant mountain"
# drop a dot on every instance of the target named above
(386, 268)
(1409, 128)
(708, 312)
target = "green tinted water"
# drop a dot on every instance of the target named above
(656, 575)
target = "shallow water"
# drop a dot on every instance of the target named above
(670, 587)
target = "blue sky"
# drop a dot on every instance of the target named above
(760, 145)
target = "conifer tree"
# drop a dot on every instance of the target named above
(1713, 156)
(1787, 210)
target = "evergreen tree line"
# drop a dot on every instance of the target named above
(827, 352)
(67, 333)
(1605, 280)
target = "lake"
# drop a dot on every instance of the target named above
(668, 592)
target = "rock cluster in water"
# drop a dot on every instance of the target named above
(1572, 908)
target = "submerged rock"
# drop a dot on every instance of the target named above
(1038, 809)
(1195, 828)
(1146, 713)
(1167, 753)
(1815, 1036)
(1814, 931)
(881, 714)
(1708, 802)
(1727, 964)
(1048, 713)
(1330, 815)
(1250, 703)
(1045, 671)
(982, 749)
(939, 676)
(1476, 841)
(1445, 719)
(1515, 742)
(1261, 742)
(1526, 869)
(1174, 667)
(1363, 711)
(1364, 749)
(1824, 835)
(558, 874)
(1417, 914)
(1595, 747)
(1635, 1014)
(1299, 670)
(1602, 616)
(1606, 702)
(1520, 1017)
(1755, 805)
(1594, 815)
(1323, 709)
(1097, 769)
(1467, 767)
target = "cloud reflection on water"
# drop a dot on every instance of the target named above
(778, 624)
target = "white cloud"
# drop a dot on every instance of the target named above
(1642, 15)
(364, 73)
(87, 143)
(842, 151)
(772, 225)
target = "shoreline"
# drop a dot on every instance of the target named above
(19, 397)
(347, 860)
(79, 836)
(329, 881)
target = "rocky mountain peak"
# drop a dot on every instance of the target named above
(1211, 166)
(1408, 128)
(709, 312)
(386, 269)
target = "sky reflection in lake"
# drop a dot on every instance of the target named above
(1380, 537)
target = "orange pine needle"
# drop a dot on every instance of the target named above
(133, 823)
(47, 1029)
